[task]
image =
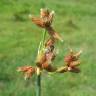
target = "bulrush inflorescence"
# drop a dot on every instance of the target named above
(45, 21)
(72, 61)
(47, 51)
(27, 70)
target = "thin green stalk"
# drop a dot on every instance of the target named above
(41, 46)
(43, 40)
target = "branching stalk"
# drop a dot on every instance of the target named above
(41, 46)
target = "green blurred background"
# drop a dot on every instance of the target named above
(75, 20)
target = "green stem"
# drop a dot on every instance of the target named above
(44, 36)
(41, 46)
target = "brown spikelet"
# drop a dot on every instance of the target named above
(51, 17)
(50, 56)
(39, 22)
(71, 57)
(74, 64)
(78, 54)
(50, 42)
(44, 13)
(27, 70)
(72, 61)
(53, 33)
(24, 68)
(45, 21)
(49, 67)
(68, 59)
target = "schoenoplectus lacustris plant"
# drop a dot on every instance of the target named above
(47, 51)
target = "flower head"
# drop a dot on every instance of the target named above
(45, 21)
(45, 58)
(72, 61)
(27, 70)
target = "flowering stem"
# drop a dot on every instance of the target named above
(43, 40)
(41, 46)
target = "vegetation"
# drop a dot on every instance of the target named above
(19, 40)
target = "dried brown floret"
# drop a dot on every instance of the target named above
(27, 70)
(45, 21)
(72, 61)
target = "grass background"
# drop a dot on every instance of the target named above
(75, 20)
